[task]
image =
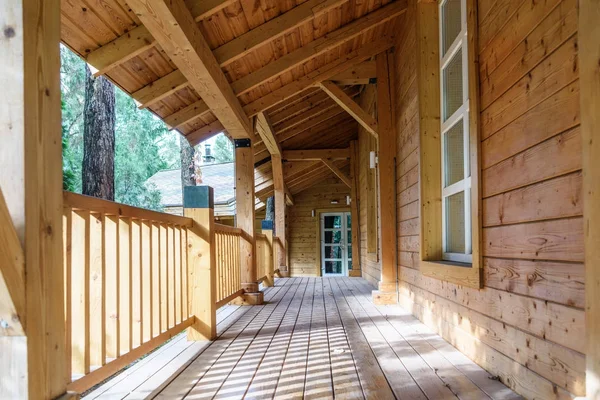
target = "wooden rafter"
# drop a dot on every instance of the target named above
(160, 89)
(187, 114)
(206, 132)
(288, 61)
(350, 106)
(267, 134)
(317, 154)
(174, 28)
(360, 74)
(12, 273)
(357, 56)
(139, 39)
(337, 171)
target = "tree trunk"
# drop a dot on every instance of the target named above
(187, 163)
(98, 172)
(270, 209)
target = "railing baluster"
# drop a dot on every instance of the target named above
(184, 277)
(96, 302)
(163, 279)
(67, 258)
(155, 278)
(170, 277)
(110, 288)
(177, 260)
(79, 293)
(136, 284)
(124, 286)
(146, 272)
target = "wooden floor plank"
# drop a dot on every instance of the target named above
(402, 383)
(372, 380)
(236, 384)
(187, 379)
(291, 380)
(426, 377)
(313, 338)
(346, 384)
(265, 380)
(458, 371)
(318, 383)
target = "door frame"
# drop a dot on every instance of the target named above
(318, 213)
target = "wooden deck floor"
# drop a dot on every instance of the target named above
(314, 338)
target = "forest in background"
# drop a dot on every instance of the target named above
(143, 143)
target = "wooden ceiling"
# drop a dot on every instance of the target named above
(244, 57)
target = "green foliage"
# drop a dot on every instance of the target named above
(223, 149)
(143, 145)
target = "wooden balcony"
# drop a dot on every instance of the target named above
(313, 338)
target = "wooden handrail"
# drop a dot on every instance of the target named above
(81, 202)
(126, 284)
(228, 229)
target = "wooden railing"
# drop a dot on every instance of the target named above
(228, 274)
(126, 284)
(264, 259)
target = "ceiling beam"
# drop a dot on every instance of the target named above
(206, 132)
(359, 55)
(174, 28)
(305, 53)
(267, 134)
(337, 171)
(187, 115)
(350, 106)
(273, 29)
(160, 89)
(139, 39)
(361, 74)
(319, 46)
(316, 154)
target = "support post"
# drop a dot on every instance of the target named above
(354, 210)
(388, 285)
(198, 204)
(33, 364)
(280, 205)
(244, 205)
(589, 75)
(267, 230)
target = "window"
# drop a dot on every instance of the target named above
(455, 160)
(449, 141)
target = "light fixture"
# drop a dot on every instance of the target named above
(334, 202)
(373, 160)
(312, 213)
(348, 200)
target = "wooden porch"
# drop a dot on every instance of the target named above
(313, 338)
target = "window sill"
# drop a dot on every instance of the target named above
(460, 273)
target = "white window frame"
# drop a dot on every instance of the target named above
(462, 113)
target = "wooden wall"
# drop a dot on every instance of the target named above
(302, 226)
(527, 325)
(369, 193)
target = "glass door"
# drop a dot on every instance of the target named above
(336, 246)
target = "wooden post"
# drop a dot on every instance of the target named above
(33, 366)
(354, 210)
(589, 73)
(267, 230)
(279, 187)
(388, 291)
(244, 205)
(198, 204)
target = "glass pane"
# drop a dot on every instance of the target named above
(453, 85)
(333, 237)
(349, 265)
(349, 237)
(349, 251)
(451, 23)
(455, 223)
(349, 220)
(333, 267)
(454, 154)
(333, 252)
(333, 221)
